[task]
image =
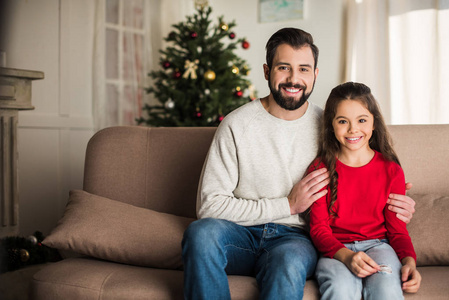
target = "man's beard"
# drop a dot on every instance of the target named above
(289, 103)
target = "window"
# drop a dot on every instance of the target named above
(121, 61)
(399, 49)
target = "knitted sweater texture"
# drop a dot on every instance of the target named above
(253, 162)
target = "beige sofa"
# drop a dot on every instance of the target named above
(139, 195)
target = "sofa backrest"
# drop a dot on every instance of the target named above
(159, 168)
(423, 151)
(156, 168)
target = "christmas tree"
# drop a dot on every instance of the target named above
(201, 78)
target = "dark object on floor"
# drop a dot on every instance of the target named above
(17, 252)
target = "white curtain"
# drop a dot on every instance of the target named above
(98, 68)
(400, 49)
(122, 51)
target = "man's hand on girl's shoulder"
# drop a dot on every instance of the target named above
(402, 205)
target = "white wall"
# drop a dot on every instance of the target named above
(56, 37)
(323, 19)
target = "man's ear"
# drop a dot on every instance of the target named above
(316, 72)
(266, 71)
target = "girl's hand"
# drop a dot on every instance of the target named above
(410, 276)
(358, 263)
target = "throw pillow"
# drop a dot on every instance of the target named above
(429, 229)
(120, 232)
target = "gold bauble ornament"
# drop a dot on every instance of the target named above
(224, 26)
(245, 70)
(235, 70)
(209, 75)
(24, 255)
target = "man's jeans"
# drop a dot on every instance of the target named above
(338, 282)
(280, 257)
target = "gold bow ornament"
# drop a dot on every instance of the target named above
(191, 67)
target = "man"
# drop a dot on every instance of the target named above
(252, 192)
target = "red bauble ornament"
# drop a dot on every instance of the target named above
(166, 64)
(220, 118)
(232, 35)
(238, 94)
(177, 74)
(245, 44)
(198, 114)
(193, 35)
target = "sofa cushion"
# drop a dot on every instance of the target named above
(81, 278)
(120, 232)
(429, 229)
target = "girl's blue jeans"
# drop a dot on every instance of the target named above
(338, 282)
(280, 257)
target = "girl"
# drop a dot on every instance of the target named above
(361, 241)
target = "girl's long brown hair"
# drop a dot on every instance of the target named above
(329, 147)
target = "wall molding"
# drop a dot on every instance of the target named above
(54, 121)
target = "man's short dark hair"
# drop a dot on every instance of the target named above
(294, 37)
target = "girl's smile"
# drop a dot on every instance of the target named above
(354, 139)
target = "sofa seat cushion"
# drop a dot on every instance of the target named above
(116, 231)
(434, 284)
(84, 278)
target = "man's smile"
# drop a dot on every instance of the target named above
(292, 90)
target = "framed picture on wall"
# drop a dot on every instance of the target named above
(280, 10)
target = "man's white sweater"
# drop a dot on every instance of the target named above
(253, 162)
